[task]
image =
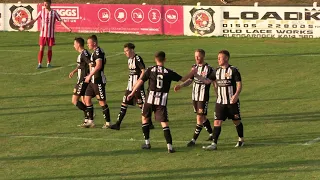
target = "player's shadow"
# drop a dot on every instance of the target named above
(35, 111)
(292, 117)
(34, 106)
(216, 171)
(281, 139)
(112, 153)
(273, 99)
(38, 96)
(58, 133)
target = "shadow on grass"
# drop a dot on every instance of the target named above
(36, 95)
(292, 117)
(112, 153)
(208, 172)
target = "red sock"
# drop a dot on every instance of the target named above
(49, 56)
(40, 56)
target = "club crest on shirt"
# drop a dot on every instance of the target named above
(97, 52)
(202, 22)
(227, 75)
(203, 74)
(20, 15)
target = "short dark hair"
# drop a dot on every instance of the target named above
(93, 38)
(160, 55)
(201, 51)
(129, 46)
(47, 1)
(80, 40)
(225, 52)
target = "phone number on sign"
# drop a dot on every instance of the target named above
(302, 26)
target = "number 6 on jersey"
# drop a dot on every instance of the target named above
(159, 81)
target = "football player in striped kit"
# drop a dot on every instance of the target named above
(200, 94)
(82, 69)
(136, 70)
(97, 83)
(159, 85)
(228, 86)
(48, 18)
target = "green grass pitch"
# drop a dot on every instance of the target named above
(280, 103)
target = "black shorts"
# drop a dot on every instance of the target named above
(160, 112)
(200, 107)
(138, 98)
(96, 90)
(80, 88)
(230, 111)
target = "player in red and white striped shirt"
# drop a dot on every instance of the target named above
(48, 18)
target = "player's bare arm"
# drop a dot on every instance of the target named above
(135, 87)
(142, 72)
(72, 72)
(235, 97)
(21, 28)
(188, 76)
(184, 84)
(65, 26)
(214, 83)
(96, 69)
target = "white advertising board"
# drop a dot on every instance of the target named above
(276, 22)
(1, 16)
(202, 20)
(20, 14)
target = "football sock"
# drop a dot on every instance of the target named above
(89, 111)
(106, 113)
(240, 130)
(197, 132)
(122, 113)
(85, 115)
(81, 106)
(40, 56)
(216, 133)
(49, 56)
(208, 127)
(146, 131)
(167, 135)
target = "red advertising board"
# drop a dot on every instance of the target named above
(116, 18)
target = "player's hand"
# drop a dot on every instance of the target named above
(130, 96)
(234, 99)
(177, 88)
(87, 80)
(71, 74)
(70, 30)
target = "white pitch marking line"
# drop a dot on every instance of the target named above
(126, 140)
(312, 141)
(53, 69)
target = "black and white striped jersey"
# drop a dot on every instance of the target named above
(227, 83)
(135, 65)
(200, 90)
(98, 55)
(159, 84)
(83, 61)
